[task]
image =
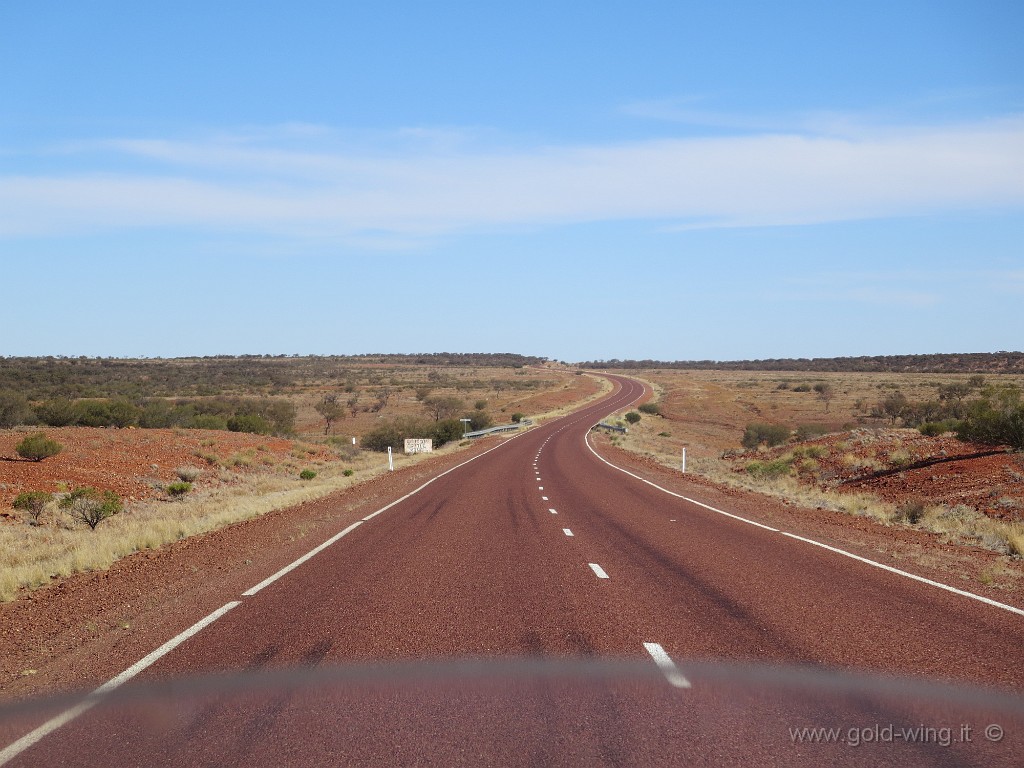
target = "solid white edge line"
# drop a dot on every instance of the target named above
(667, 666)
(586, 439)
(907, 574)
(51, 725)
(598, 571)
(293, 565)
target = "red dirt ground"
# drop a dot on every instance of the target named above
(130, 462)
(938, 470)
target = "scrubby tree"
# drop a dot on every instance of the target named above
(37, 447)
(443, 407)
(91, 506)
(383, 395)
(632, 417)
(826, 392)
(32, 503)
(330, 409)
(952, 396)
(894, 406)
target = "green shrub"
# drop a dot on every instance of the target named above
(251, 422)
(997, 418)
(767, 470)
(123, 413)
(810, 431)
(938, 428)
(478, 420)
(517, 418)
(348, 472)
(445, 431)
(178, 489)
(37, 447)
(911, 512)
(664, 434)
(59, 412)
(93, 413)
(650, 408)
(632, 417)
(307, 474)
(14, 409)
(208, 421)
(764, 434)
(33, 503)
(90, 506)
(384, 436)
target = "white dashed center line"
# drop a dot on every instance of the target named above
(553, 512)
(544, 498)
(598, 570)
(567, 532)
(667, 666)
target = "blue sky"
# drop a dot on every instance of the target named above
(665, 180)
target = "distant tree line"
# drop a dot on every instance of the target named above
(972, 362)
(239, 414)
(39, 378)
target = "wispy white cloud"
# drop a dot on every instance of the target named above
(442, 186)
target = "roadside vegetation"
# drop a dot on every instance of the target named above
(895, 448)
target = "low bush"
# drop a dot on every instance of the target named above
(250, 422)
(911, 512)
(479, 420)
(348, 472)
(650, 408)
(307, 474)
(188, 474)
(208, 421)
(997, 418)
(632, 417)
(32, 503)
(810, 431)
(91, 506)
(938, 428)
(517, 418)
(178, 489)
(768, 470)
(764, 434)
(37, 447)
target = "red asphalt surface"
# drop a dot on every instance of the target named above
(480, 565)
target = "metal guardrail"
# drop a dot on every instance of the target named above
(612, 427)
(492, 430)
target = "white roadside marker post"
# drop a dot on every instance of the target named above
(391, 462)
(684, 460)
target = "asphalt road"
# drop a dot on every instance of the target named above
(539, 550)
